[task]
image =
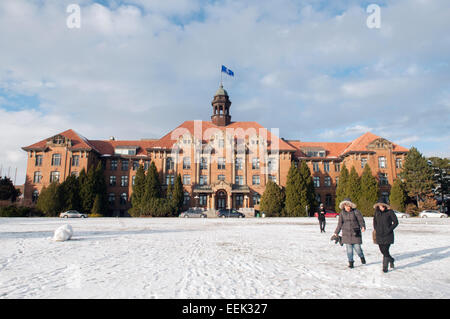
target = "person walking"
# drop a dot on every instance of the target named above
(384, 223)
(352, 223)
(321, 218)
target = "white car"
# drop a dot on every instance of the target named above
(72, 214)
(432, 213)
(401, 215)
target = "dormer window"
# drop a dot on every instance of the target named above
(58, 139)
(126, 150)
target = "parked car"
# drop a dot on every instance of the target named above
(72, 214)
(193, 212)
(432, 213)
(229, 213)
(328, 213)
(401, 215)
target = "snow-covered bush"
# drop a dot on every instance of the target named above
(63, 233)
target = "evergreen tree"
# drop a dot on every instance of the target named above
(417, 175)
(354, 185)
(69, 193)
(7, 190)
(138, 192)
(100, 187)
(341, 189)
(87, 194)
(49, 201)
(272, 200)
(308, 193)
(294, 191)
(97, 207)
(397, 198)
(369, 192)
(177, 196)
(152, 183)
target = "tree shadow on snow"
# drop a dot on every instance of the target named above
(427, 255)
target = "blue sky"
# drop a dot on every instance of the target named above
(138, 68)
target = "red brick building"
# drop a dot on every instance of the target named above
(223, 164)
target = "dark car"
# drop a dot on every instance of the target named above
(229, 213)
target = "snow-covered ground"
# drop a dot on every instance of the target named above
(216, 258)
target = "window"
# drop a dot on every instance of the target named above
(202, 200)
(35, 196)
(328, 200)
(186, 198)
(169, 163)
(111, 198)
(238, 163)
(239, 199)
(316, 181)
(113, 165)
(221, 143)
(203, 163)
(186, 163)
(186, 179)
(256, 180)
(256, 199)
(75, 173)
(385, 196)
(327, 181)
(255, 163)
(135, 165)
(382, 162)
(124, 181)
(56, 159)
(316, 167)
(337, 180)
(383, 179)
(363, 162)
(123, 199)
(133, 179)
(76, 160)
(272, 164)
(239, 180)
(112, 180)
(203, 179)
(170, 179)
(315, 153)
(146, 165)
(337, 167)
(326, 167)
(125, 165)
(273, 178)
(221, 163)
(398, 163)
(37, 177)
(221, 177)
(54, 177)
(318, 198)
(38, 160)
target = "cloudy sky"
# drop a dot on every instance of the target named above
(138, 68)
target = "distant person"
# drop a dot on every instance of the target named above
(351, 222)
(384, 223)
(321, 218)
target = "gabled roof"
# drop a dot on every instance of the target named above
(78, 142)
(335, 150)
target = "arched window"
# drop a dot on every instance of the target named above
(35, 196)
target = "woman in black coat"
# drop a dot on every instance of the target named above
(321, 217)
(384, 223)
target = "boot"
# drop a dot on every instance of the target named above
(350, 264)
(391, 262)
(363, 260)
(385, 264)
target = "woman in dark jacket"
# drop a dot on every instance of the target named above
(321, 217)
(384, 223)
(352, 224)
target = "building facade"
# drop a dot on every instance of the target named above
(223, 164)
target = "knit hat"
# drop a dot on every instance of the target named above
(347, 201)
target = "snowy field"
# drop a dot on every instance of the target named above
(216, 258)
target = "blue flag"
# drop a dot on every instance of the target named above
(227, 71)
